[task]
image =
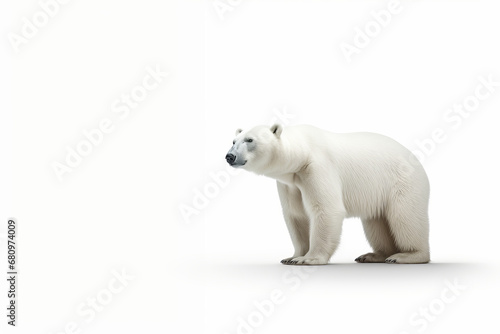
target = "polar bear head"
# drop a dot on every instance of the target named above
(256, 149)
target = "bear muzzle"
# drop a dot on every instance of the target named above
(230, 158)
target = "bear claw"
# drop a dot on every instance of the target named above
(303, 260)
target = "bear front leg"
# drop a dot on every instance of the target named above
(298, 229)
(296, 219)
(326, 228)
(326, 212)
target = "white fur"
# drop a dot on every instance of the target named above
(324, 177)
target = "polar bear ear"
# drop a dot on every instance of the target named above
(238, 131)
(277, 129)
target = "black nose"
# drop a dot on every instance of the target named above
(230, 158)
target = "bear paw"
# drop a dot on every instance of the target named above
(287, 260)
(304, 260)
(370, 258)
(409, 257)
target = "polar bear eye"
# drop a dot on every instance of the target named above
(249, 140)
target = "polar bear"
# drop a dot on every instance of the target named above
(324, 177)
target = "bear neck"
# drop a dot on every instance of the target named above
(288, 159)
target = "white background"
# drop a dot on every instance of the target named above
(120, 208)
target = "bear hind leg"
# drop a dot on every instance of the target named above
(380, 239)
(409, 225)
